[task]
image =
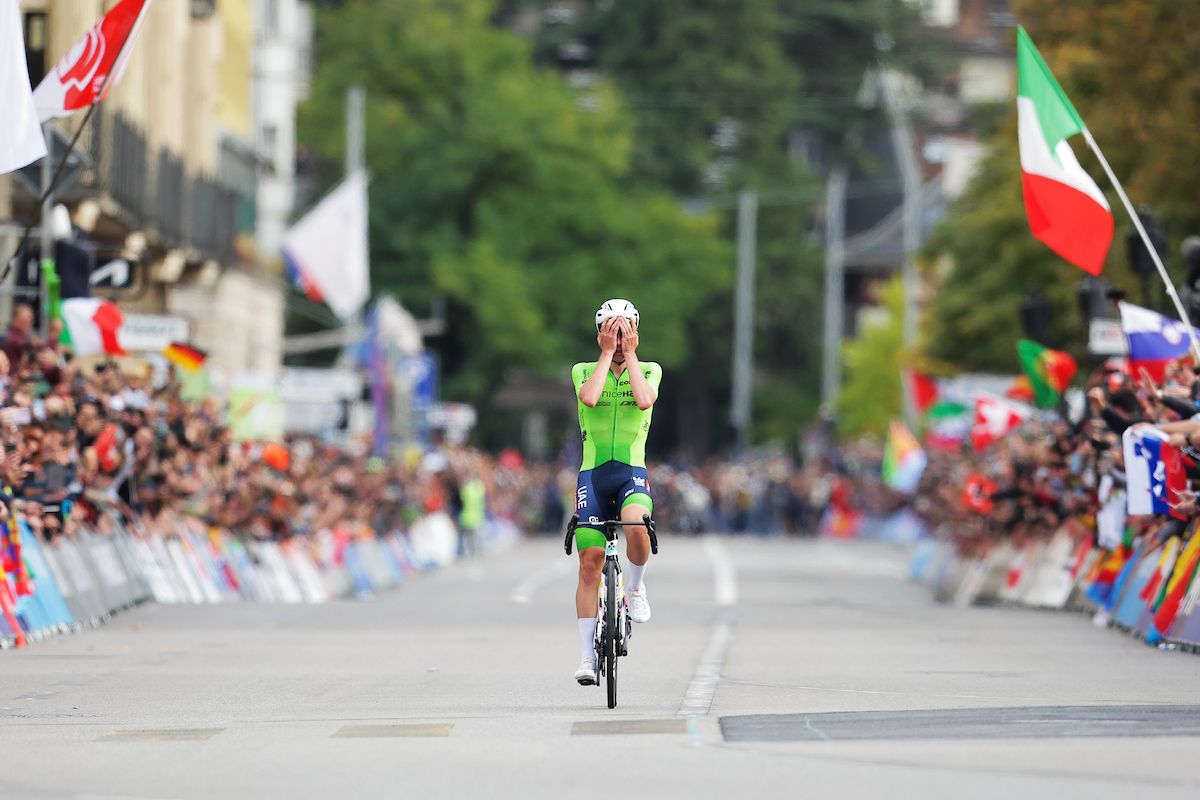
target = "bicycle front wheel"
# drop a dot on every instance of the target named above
(612, 641)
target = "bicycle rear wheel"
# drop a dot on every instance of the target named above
(612, 641)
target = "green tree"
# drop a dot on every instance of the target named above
(728, 95)
(501, 188)
(989, 261)
(871, 395)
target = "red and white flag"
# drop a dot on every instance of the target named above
(995, 416)
(1066, 208)
(82, 77)
(94, 326)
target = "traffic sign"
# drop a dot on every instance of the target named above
(115, 274)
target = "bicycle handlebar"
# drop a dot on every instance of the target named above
(612, 523)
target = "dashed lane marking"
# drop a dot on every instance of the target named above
(626, 726)
(393, 731)
(161, 735)
(697, 700)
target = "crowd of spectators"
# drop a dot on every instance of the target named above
(1057, 469)
(82, 437)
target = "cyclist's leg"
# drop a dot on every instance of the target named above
(589, 541)
(636, 502)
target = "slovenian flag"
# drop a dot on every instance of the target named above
(1154, 340)
(1154, 472)
(1066, 210)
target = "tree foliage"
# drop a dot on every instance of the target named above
(871, 394)
(1129, 70)
(731, 95)
(498, 186)
(524, 200)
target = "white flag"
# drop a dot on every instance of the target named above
(327, 249)
(21, 140)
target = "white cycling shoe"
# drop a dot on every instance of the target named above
(639, 606)
(586, 674)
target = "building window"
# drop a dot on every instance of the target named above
(35, 46)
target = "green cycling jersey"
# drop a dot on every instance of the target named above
(615, 429)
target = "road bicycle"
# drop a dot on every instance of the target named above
(613, 626)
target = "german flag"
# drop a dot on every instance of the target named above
(185, 356)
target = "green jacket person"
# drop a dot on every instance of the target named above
(616, 395)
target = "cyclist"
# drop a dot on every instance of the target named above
(616, 395)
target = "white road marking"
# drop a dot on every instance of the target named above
(523, 593)
(697, 700)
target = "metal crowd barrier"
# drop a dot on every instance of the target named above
(80, 581)
(1154, 597)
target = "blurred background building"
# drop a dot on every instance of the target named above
(950, 118)
(186, 173)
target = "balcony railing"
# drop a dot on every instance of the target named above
(154, 189)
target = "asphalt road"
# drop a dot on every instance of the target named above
(771, 668)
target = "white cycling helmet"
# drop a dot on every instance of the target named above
(617, 308)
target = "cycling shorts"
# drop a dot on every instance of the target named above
(601, 494)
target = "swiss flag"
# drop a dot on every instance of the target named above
(994, 417)
(82, 77)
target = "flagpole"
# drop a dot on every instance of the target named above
(1137, 223)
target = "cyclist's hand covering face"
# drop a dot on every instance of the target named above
(607, 337)
(629, 336)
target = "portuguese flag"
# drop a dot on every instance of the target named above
(1066, 210)
(1049, 371)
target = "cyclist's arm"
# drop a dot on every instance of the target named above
(593, 387)
(644, 388)
(589, 392)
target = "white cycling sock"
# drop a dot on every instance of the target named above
(636, 572)
(587, 638)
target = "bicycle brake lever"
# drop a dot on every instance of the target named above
(571, 533)
(650, 530)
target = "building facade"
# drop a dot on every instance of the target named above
(176, 167)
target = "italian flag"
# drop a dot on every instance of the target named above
(93, 326)
(1066, 209)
